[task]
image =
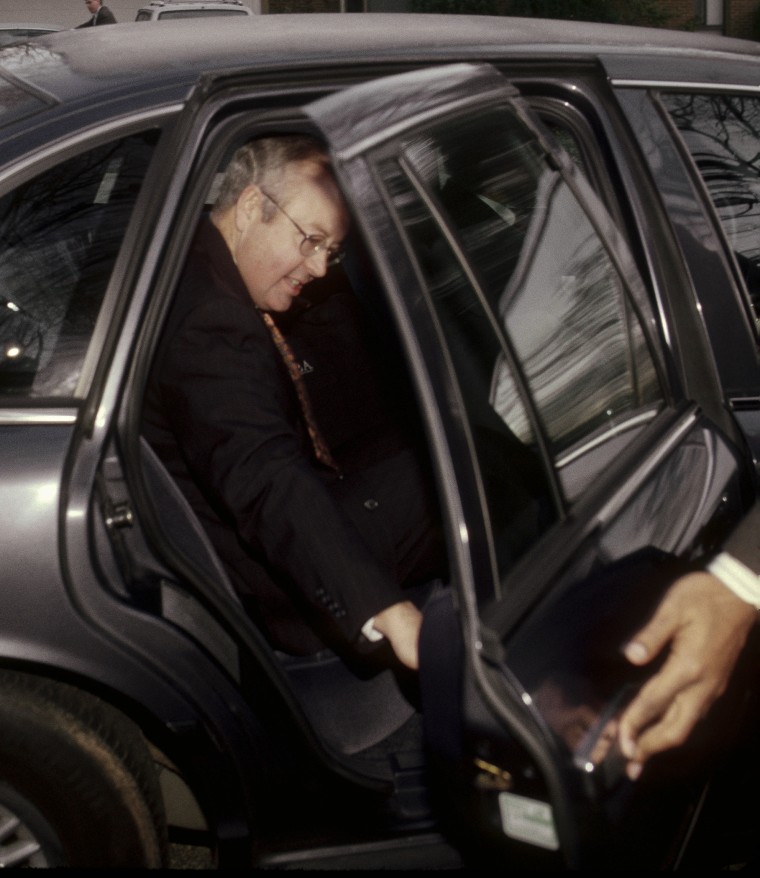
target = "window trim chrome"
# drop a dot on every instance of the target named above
(636, 420)
(13, 416)
(93, 133)
(665, 84)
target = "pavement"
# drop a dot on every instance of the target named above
(185, 856)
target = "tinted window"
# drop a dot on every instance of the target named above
(60, 234)
(518, 495)
(14, 34)
(722, 133)
(16, 102)
(197, 13)
(556, 294)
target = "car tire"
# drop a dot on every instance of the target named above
(77, 785)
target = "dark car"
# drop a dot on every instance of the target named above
(555, 249)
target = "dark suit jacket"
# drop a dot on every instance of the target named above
(103, 16)
(744, 541)
(222, 413)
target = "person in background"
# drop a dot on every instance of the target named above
(99, 14)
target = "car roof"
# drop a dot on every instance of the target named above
(72, 66)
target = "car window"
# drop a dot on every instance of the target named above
(60, 234)
(15, 34)
(722, 133)
(539, 309)
(17, 102)
(519, 493)
(197, 13)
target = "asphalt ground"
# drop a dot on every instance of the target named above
(184, 856)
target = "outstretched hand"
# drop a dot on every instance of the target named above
(401, 623)
(704, 626)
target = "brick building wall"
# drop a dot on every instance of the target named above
(739, 16)
(682, 13)
(742, 19)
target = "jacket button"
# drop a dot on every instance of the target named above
(371, 504)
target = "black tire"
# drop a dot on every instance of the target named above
(77, 785)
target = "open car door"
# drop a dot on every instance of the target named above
(575, 480)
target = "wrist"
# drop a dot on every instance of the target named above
(737, 577)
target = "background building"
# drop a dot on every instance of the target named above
(736, 18)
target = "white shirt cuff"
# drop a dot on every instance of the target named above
(370, 632)
(742, 581)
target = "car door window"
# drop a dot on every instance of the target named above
(60, 234)
(518, 492)
(543, 314)
(722, 133)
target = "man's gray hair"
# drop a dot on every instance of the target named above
(263, 162)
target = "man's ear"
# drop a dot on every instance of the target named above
(248, 205)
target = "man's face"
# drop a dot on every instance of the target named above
(92, 5)
(268, 254)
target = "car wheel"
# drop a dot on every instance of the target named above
(77, 784)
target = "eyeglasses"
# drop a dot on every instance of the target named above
(311, 245)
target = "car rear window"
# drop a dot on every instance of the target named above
(198, 13)
(17, 102)
(60, 233)
(722, 134)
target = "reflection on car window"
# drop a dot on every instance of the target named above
(557, 311)
(722, 133)
(16, 102)
(59, 237)
(519, 496)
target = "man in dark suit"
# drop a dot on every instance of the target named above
(320, 550)
(99, 14)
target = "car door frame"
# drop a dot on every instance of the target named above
(586, 519)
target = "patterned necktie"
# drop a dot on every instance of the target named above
(321, 450)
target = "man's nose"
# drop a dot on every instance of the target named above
(317, 263)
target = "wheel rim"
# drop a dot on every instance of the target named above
(18, 844)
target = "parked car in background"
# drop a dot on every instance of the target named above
(173, 10)
(15, 32)
(555, 249)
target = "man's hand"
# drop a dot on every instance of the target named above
(401, 624)
(705, 627)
